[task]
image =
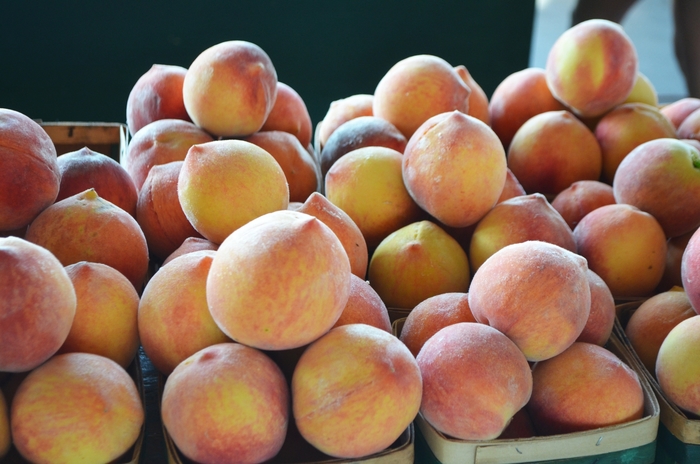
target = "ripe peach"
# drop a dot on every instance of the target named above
(289, 114)
(191, 244)
(461, 366)
(643, 92)
(478, 101)
(690, 270)
(341, 111)
(355, 390)
(215, 384)
(519, 427)
(418, 88)
(536, 293)
(677, 367)
(678, 110)
(690, 127)
(230, 88)
(512, 188)
(29, 173)
(580, 198)
(38, 307)
(76, 407)
(364, 306)
(675, 247)
(226, 183)
(454, 167)
(601, 319)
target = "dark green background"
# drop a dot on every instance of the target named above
(77, 60)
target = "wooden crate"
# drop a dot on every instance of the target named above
(108, 138)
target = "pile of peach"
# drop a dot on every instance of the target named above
(505, 228)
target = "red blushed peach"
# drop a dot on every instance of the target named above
(38, 307)
(355, 390)
(678, 110)
(364, 306)
(478, 101)
(583, 388)
(418, 88)
(677, 366)
(85, 227)
(517, 98)
(690, 270)
(160, 142)
(105, 320)
(29, 173)
(433, 314)
(341, 111)
(512, 188)
(454, 167)
(157, 94)
(601, 319)
(227, 183)
(230, 89)
(592, 67)
(5, 434)
(220, 382)
(474, 381)
(580, 198)
(690, 127)
(551, 151)
(190, 245)
(536, 293)
(289, 114)
(519, 427)
(76, 407)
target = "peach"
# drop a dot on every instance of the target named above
(76, 407)
(343, 226)
(341, 111)
(364, 306)
(551, 151)
(512, 188)
(433, 314)
(520, 96)
(626, 127)
(418, 88)
(690, 270)
(454, 167)
(625, 246)
(675, 247)
(279, 282)
(592, 67)
(84, 169)
(416, 262)
(355, 390)
(300, 168)
(523, 218)
(5, 436)
(190, 245)
(362, 131)
(38, 307)
(85, 227)
(368, 185)
(227, 183)
(519, 427)
(583, 388)
(157, 94)
(105, 320)
(690, 127)
(601, 319)
(160, 142)
(678, 110)
(662, 178)
(230, 89)
(536, 293)
(174, 321)
(643, 91)
(478, 101)
(474, 381)
(677, 367)
(289, 114)
(215, 384)
(29, 173)
(580, 198)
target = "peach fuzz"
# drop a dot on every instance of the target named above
(580, 198)
(433, 314)
(520, 96)
(289, 114)
(368, 185)
(643, 91)
(364, 306)
(551, 151)
(226, 183)
(625, 246)
(592, 67)
(418, 88)
(160, 142)
(190, 245)
(478, 101)
(5, 433)
(76, 407)
(583, 388)
(523, 218)
(677, 366)
(215, 384)
(279, 282)
(105, 320)
(601, 319)
(341, 111)
(416, 262)
(157, 94)
(29, 173)
(85, 227)
(678, 110)
(454, 167)
(38, 308)
(230, 89)
(174, 321)
(474, 381)
(536, 293)
(343, 226)
(355, 390)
